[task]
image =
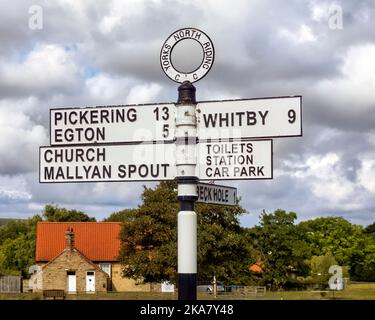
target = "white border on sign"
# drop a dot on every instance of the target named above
(167, 49)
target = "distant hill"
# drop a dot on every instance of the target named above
(6, 220)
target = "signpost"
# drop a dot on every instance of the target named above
(187, 141)
(237, 160)
(216, 194)
(112, 124)
(252, 118)
(111, 163)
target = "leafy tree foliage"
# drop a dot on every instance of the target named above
(331, 235)
(362, 260)
(149, 239)
(12, 230)
(282, 248)
(56, 214)
(17, 250)
(18, 238)
(319, 267)
(121, 216)
(223, 245)
(370, 229)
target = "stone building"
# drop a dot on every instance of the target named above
(81, 257)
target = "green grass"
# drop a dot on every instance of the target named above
(354, 291)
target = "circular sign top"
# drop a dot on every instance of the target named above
(167, 49)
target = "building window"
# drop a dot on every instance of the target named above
(106, 267)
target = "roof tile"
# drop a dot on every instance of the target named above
(98, 241)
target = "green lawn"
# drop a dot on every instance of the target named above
(356, 291)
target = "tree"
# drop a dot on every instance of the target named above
(55, 214)
(370, 229)
(362, 260)
(149, 239)
(331, 234)
(13, 229)
(320, 266)
(148, 249)
(282, 247)
(224, 248)
(17, 252)
(121, 216)
(18, 238)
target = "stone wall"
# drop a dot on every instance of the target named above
(55, 273)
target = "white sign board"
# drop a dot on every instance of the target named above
(141, 162)
(167, 287)
(244, 160)
(254, 118)
(113, 124)
(237, 160)
(216, 194)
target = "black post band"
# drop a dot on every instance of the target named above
(187, 286)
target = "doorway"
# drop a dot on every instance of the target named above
(90, 281)
(72, 282)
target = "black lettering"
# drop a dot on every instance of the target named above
(104, 115)
(83, 118)
(121, 171)
(58, 135)
(49, 173)
(73, 117)
(210, 118)
(165, 167)
(260, 171)
(48, 160)
(208, 160)
(58, 117)
(87, 170)
(249, 147)
(132, 168)
(107, 172)
(77, 173)
(79, 155)
(209, 172)
(59, 173)
(251, 118)
(263, 116)
(132, 115)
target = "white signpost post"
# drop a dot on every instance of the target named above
(186, 141)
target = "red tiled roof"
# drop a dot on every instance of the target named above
(98, 241)
(256, 267)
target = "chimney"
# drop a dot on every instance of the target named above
(69, 238)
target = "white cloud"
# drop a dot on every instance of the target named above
(47, 69)
(366, 175)
(146, 93)
(20, 139)
(303, 35)
(103, 53)
(357, 82)
(13, 189)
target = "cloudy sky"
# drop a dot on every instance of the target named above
(87, 53)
